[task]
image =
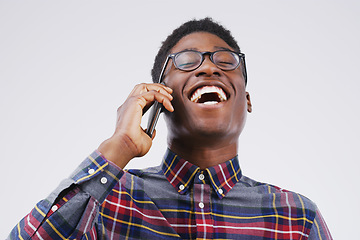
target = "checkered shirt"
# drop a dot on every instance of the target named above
(176, 200)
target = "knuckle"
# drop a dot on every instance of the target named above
(139, 85)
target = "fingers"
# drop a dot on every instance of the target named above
(144, 88)
(146, 94)
(147, 99)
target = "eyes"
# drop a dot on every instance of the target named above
(184, 65)
(189, 60)
(226, 59)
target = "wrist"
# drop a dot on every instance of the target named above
(117, 151)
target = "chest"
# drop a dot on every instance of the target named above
(157, 211)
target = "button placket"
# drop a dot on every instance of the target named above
(204, 221)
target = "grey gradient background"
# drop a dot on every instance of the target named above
(66, 66)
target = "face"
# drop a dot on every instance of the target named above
(209, 103)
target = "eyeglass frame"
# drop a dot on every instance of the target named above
(172, 57)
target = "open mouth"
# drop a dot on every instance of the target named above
(208, 95)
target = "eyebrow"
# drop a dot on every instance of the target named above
(189, 49)
(215, 47)
(223, 48)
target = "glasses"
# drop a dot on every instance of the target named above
(189, 60)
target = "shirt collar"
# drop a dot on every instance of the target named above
(180, 173)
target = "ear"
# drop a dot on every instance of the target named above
(249, 106)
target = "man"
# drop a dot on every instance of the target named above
(198, 192)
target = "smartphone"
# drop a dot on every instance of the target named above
(156, 109)
(153, 118)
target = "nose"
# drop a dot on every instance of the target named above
(207, 68)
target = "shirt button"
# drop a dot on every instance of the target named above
(220, 191)
(201, 176)
(103, 180)
(54, 208)
(91, 171)
(181, 187)
(201, 205)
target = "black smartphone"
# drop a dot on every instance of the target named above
(153, 118)
(156, 108)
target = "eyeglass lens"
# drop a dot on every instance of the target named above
(190, 60)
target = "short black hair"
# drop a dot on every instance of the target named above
(202, 25)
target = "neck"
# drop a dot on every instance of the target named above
(204, 156)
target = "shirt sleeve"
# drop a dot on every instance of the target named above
(70, 211)
(319, 229)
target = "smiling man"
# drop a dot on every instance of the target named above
(210, 100)
(198, 191)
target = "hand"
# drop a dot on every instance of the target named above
(129, 139)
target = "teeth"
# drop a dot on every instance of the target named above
(208, 89)
(210, 102)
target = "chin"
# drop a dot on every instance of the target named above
(198, 127)
(210, 128)
(205, 131)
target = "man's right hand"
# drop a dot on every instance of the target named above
(129, 139)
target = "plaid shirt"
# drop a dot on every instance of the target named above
(176, 200)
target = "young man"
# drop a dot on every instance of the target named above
(198, 192)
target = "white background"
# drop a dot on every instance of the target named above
(65, 67)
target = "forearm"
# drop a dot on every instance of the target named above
(69, 211)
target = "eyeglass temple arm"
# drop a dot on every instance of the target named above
(163, 69)
(244, 68)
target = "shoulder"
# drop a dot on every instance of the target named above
(275, 201)
(279, 196)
